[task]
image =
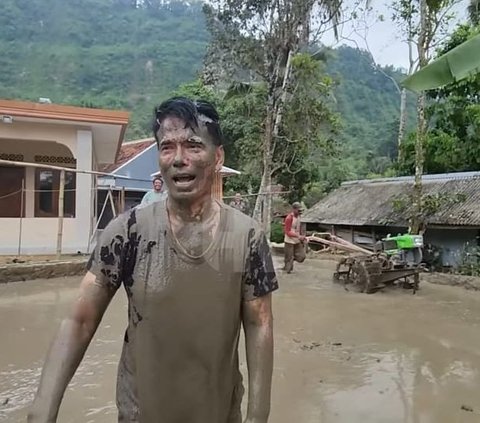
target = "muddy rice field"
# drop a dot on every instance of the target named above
(340, 357)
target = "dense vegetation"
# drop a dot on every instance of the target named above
(100, 53)
(119, 54)
(452, 143)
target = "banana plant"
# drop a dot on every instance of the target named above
(459, 63)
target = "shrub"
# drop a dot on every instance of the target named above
(276, 232)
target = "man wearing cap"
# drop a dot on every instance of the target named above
(294, 248)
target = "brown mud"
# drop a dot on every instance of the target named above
(339, 356)
(26, 259)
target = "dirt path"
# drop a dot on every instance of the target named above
(340, 356)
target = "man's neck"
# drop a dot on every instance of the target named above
(187, 212)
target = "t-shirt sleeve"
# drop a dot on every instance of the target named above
(145, 199)
(106, 261)
(259, 277)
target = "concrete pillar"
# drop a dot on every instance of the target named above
(30, 194)
(85, 195)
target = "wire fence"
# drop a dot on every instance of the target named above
(57, 199)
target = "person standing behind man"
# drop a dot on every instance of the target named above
(293, 240)
(238, 203)
(155, 194)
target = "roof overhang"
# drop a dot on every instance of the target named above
(107, 126)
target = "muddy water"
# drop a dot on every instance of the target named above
(340, 356)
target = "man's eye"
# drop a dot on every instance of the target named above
(194, 146)
(166, 147)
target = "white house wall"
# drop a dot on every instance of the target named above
(63, 134)
(84, 204)
(39, 235)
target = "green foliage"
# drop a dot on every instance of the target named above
(127, 54)
(308, 129)
(314, 193)
(469, 261)
(242, 113)
(431, 203)
(400, 204)
(369, 105)
(453, 140)
(276, 232)
(95, 53)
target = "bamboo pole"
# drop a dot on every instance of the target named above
(21, 217)
(338, 243)
(99, 218)
(122, 200)
(61, 196)
(95, 214)
(112, 203)
(68, 169)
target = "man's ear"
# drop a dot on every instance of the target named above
(219, 158)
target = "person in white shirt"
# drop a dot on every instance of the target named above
(155, 194)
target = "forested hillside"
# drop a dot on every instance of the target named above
(107, 53)
(100, 53)
(367, 99)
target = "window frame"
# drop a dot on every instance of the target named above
(38, 212)
(22, 171)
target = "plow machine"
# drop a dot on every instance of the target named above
(394, 260)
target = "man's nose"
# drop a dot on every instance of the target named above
(179, 157)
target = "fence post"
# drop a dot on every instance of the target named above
(122, 200)
(22, 193)
(61, 196)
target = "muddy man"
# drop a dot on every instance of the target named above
(193, 270)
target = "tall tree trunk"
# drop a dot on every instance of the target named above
(417, 224)
(418, 219)
(403, 122)
(273, 121)
(262, 203)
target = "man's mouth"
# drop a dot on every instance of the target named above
(183, 180)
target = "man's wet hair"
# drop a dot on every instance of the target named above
(190, 111)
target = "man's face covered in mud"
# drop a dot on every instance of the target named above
(188, 158)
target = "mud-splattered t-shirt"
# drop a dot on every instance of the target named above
(179, 362)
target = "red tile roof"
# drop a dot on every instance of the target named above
(127, 152)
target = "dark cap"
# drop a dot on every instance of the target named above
(297, 205)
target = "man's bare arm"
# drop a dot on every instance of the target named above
(258, 327)
(68, 349)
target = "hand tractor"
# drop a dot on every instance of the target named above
(394, 259)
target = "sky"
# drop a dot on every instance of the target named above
(383, 38)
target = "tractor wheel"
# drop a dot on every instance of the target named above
(360, 277)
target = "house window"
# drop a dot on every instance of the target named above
(11, 178)
(47, 187)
